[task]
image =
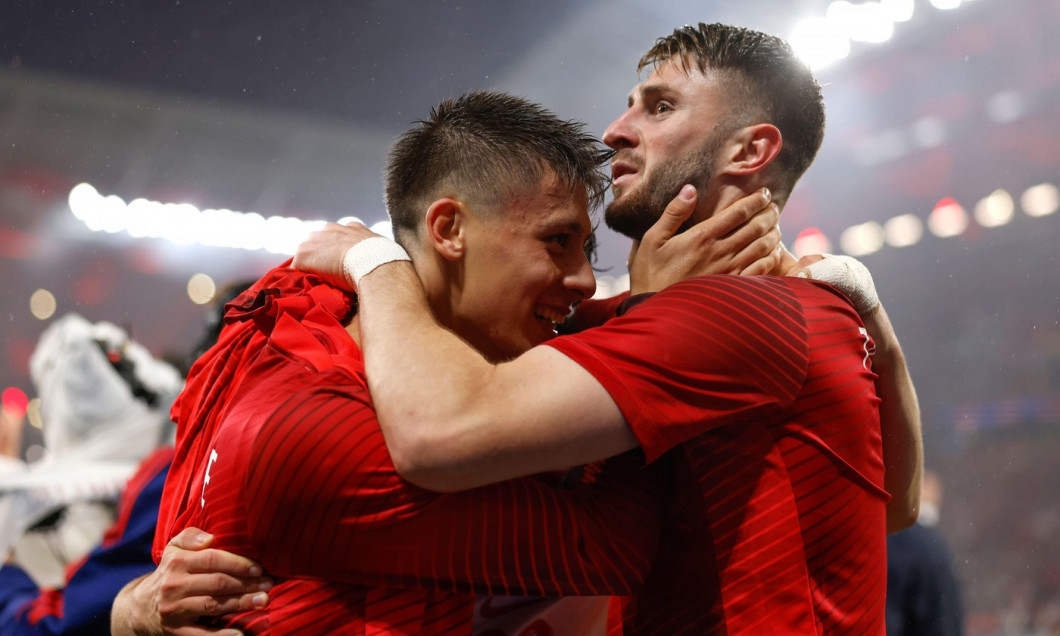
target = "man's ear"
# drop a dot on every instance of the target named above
(445, 223)
(752, 149)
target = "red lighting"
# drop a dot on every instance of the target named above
(15, 401)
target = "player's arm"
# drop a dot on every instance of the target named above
(452, 420)
(191, 581)
(903, 447)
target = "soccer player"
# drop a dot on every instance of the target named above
(279, 455)
(758, 390)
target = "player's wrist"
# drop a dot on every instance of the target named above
(369, 254)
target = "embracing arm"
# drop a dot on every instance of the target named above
(903, 447)
(452, 420)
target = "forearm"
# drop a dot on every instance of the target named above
(452, 420)
(126, 619)
(409, 355)
(903, 451)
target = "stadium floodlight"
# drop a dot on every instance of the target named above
(819, 42)
(862, 239)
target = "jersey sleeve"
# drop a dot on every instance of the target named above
(705, 353)
(328, 503)
(82, 606)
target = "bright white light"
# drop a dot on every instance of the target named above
(898, 10)
(183, 223)
(947, 219)
(111, 214)
(818, 42)
(1040, 200)
(866, 22)
(1005, 107)
(811, 241)
(945, 5)
(903, 231)
(862, 239)
(82, 197)
(201, 289)
(995, 210)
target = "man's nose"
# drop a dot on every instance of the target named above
(621, 133)
(581, 279)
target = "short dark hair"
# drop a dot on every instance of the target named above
(488, 146)
(765, 80)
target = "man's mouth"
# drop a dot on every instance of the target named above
(621, 171)
(552, 315)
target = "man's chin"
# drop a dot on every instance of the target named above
(628, 217)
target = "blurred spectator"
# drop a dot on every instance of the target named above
(105, 405)
(923, 594)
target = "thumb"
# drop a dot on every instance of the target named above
(191, 539)
(675, 214)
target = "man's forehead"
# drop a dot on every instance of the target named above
(671, 77)
(554, 203)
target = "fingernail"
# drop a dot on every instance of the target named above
(259, 599)
(202, 537)
(767, 194)
(255, 570)
(688, 193)
(264, 586)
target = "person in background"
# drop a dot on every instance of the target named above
(105, 406)
(923, 592)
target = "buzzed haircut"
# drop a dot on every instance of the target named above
(763, 77)
(486, 148)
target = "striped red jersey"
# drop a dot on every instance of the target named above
(280, 456)
(760, 390)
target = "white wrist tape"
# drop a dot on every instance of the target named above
(849, 276)
(369, 254)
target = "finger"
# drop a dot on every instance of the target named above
(212, 561)
(191, 539)
(763, 266)
(194, 630)
(763, 251)
(215, 584)
(675, 214)
(191, 608)
(739, 213)
(758, 225)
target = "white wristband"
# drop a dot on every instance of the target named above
(849, 276)
(369, 254)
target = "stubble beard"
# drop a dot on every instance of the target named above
(635, 212)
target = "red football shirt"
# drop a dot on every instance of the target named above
(761, 391)
(280, 456)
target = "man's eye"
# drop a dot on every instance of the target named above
(560, 239)
(662, 107)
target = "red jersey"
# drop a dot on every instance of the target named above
(280, 456)
(760, 389)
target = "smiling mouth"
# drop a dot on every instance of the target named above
(551, 315)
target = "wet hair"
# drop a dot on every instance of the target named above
(487, 148)
(763, 79)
